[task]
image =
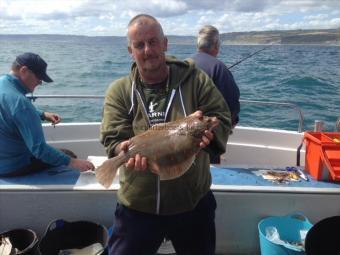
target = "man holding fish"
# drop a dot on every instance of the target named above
(164, 191)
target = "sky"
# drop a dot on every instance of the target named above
(178, 17)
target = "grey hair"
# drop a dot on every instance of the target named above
(141, 19)
(208, 38)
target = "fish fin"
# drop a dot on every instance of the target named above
(176, 170)
(107, 171)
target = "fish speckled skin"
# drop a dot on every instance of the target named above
(170, 148)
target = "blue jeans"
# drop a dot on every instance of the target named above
(215, 158)
(191, 233)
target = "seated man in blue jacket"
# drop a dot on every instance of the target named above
(23, 148)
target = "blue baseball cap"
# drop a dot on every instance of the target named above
(36, 64)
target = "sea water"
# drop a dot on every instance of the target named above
(307, 76)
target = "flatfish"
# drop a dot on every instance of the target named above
(170, 148)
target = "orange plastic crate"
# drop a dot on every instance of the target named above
(323, 155)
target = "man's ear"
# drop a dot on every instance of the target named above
(130, 52)
(23, 69)
(165, 43)
(215, 51)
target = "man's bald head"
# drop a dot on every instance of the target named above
(143, 20)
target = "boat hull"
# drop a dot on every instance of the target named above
(240, 205)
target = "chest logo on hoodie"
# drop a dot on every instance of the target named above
(156, 113)
(151, 107)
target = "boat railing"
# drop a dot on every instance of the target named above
(34, 97)
(279, 104)
(242, 101)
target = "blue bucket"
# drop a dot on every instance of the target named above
(288, 229)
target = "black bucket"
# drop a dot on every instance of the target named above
(323, 237)
(24, 240)
(63, 235)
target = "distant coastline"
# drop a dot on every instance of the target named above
(324, 36)
(315, 36)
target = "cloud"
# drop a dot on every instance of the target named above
(158, 8)
(251, 6)
(182, 17)
(100, 29)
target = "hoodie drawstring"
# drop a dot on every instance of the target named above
(181, 97)
(132, 96)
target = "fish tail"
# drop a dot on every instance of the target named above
(107, 171)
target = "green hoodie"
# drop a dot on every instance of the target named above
(124, 116)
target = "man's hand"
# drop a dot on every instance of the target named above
(81, 164)
(208, 134)
(137, 163)
(54, 118)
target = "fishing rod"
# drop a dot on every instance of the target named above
(238, 62)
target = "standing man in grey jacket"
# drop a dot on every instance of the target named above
(208, 45)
